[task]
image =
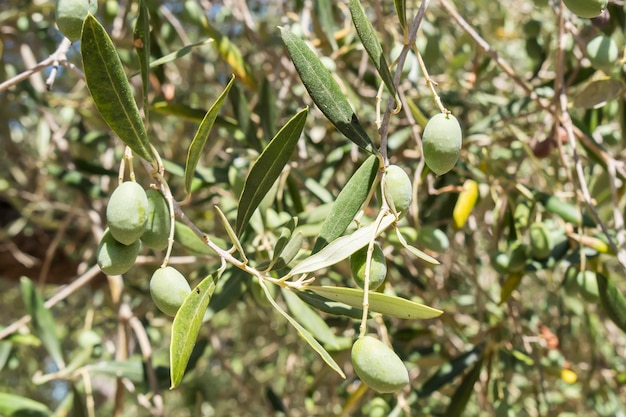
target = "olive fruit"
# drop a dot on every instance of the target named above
(603, 52)
(588, 286)
(115, 258)
(127, 212)
(378, 268)
(70, 15)
(517, 257)
(398, 189)
(157, 229)
(378, 366)
(540, 241)
(168, 289)
(586, 8)
(441, 141)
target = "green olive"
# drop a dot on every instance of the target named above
(378, 366)
(441, 141)
(70, 15)
(517, 257)
(540, 241)
(588, 286)
(586, 8)
(127, 212)
(398, 189)
(157, 231)
(603, 52)
(378, 268)
(115, 258)
(168, 289)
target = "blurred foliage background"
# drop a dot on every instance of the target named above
(520, 336)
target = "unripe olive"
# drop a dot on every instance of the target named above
(70, 15)
(378, 366)
(500, 262)
(378, 268)
(441, 141)
(115, 258)
(168, 289)
(588, 286)
(586, 8)
(540, 241)
(157, 229)
(398, 189)
(603, 52)
(517, 257)
(127, 212)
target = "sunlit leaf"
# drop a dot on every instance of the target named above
(304, 334)
(110, 88)
(325, 91)
(186, 326)
(267, 168)
(341, 248)
(567, 211)
(201, 137)
(348, 202)
(12, 405)
(330, 306)
(179, 53)
(370, 42)
(42, 320)
(598, 93)
(387, 305)
(132, 369)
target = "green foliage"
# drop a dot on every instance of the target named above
(503, 291)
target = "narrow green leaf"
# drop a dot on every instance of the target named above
(267, 168)
(179, 53)
(141, 41)
(201, 137)
(370, 41)
(341, 248)
(304, 333)
(450, 370)
(310, 320)
(461, 396)
(42, 320)
(401, 12)
(132, 369)
(612, 300)
(110, 88)
(416, 252)
(348, 202)
(387, 305)
(230, 232)
(289, 252)
(567, 211)
(12, 405)
(186, 326)
(325, 91)
(329, 306)
(267, 110)
(324, 13)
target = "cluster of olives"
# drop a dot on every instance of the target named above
(70, 15)
(134, 217)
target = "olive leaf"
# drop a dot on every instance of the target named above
(461, 396)
(612, 300)
(16, 405)
(387, 305)
(370, 42)
(329, 306)
(449, 371)
(401, 12)
(201, 137)
(141, 40)
(267, 168)
(325, 91)
(186, 326)
(110, 88)
(42, 320)
(341, 248)
(348, 202)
